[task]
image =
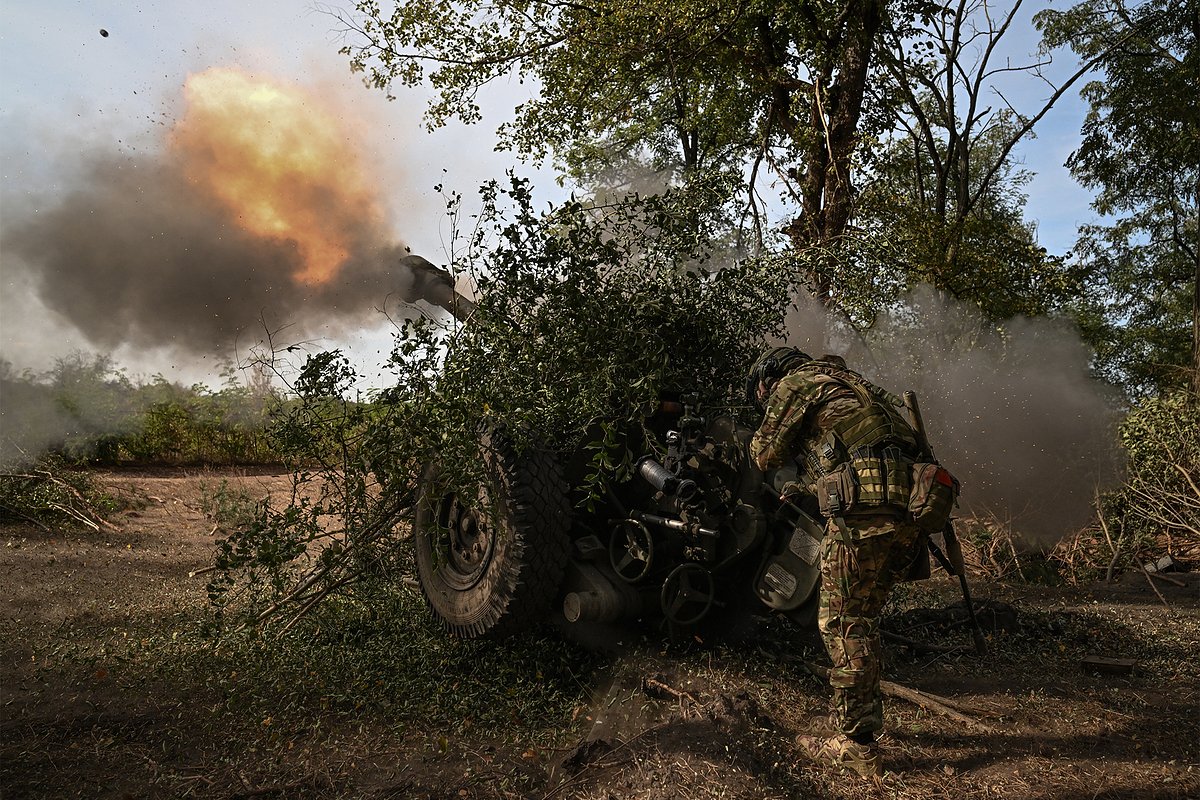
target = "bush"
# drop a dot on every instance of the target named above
(585, 317)
(1156, 511)
(1161, 495)
(86, 410)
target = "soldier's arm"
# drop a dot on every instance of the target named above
(774, 440)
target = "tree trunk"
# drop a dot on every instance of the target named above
(847, 96)
(836, 106)
(1196, 328)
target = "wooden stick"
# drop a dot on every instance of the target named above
(310, 604)
(921, 647)
(1188, 478)
(1147, 573)
(28, 518)
(1108, 576)
(1167, 578)
(266, 790)
(651, 685)
(930, 702)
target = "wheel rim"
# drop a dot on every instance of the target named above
(466, 544)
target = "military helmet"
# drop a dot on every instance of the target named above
(771, 366)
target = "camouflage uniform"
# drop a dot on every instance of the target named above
(863, 560)
(856, 579)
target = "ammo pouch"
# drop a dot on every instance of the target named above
(872, 479)
(884, 477)
(934, 495)
(837, 492)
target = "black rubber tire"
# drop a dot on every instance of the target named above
(498, 577)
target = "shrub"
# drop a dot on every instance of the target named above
(86, 410)
(1161, 495)
(585, 317)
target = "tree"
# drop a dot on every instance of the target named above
(1141, 153)
(722, 94)
(987, 254)
(723, 100)
(943, 187)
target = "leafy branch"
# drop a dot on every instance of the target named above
(585, 316)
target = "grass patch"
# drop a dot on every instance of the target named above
(228, 506)
(375, 655)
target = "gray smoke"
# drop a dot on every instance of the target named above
(135, 254)
(1010, 409)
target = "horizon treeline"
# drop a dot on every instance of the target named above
(87, 410)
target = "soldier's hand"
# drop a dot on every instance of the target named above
(790, 489)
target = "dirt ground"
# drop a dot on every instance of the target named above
(1027, 722)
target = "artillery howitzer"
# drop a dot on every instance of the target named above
(694, 536)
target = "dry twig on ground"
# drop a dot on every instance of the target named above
(930, 702)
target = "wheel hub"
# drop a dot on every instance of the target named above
(468, 545)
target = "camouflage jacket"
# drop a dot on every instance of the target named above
(816, 398)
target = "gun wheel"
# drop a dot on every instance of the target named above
(491, 564)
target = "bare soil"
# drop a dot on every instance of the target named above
(79, 720)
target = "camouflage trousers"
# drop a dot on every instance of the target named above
(856, 579)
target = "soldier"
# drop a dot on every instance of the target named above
(852, 450)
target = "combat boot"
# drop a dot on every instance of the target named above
(824, 726)
(842, 752)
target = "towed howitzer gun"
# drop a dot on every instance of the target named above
(691, 536)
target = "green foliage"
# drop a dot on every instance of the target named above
(940, 188)
(975, 244)
(585, 317)
(595, 312)
(741, 99)
(228, 506)
(370, 658)
(1162, 438)
(1136, 309)
(375, 652)
(1141, 153)
(720, 100)
(1156, 511)
(336, 527)
(50, 493)
(667, 80)
(85, 409)
(80, 409)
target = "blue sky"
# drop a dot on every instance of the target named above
(65, 88)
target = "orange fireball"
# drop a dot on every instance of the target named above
(281, 163)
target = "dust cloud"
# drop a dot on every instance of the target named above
(1011, 408)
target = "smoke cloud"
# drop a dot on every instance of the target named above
(1010, 409)
(257, 214)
